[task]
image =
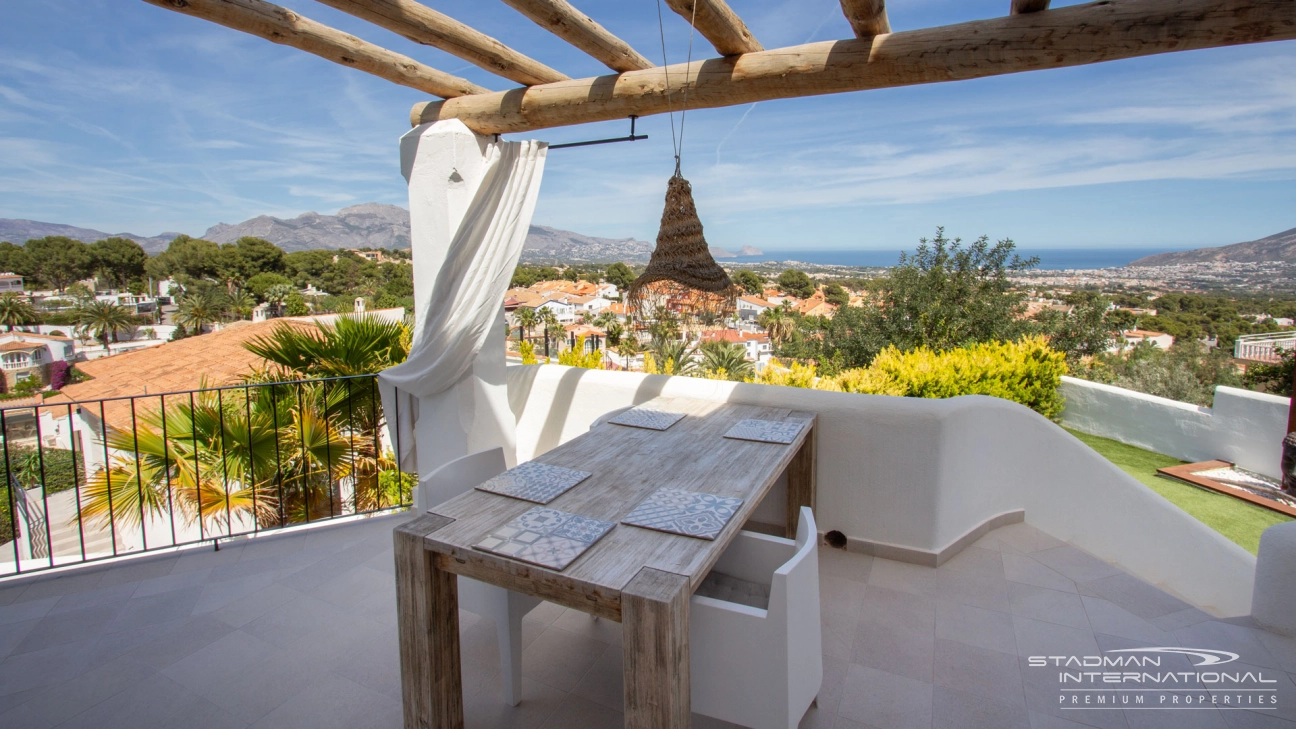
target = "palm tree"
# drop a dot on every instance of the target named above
(526, 319)
(551, 324)
(777, 323)
(264, 454)
(15, 311)
(673, 356)
(614, 333)
(241, 303)
(352, 345)
(276, 296)
(728, 358)
(103, 319)
(197, 311)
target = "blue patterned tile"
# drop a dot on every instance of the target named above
(647, 418)
(684, 512)
(545, 537)
(766, 431)
(536, 482)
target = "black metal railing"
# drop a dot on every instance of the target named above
(96, 479)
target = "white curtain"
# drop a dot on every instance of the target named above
(469, 291)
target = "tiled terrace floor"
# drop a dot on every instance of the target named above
(299, 631)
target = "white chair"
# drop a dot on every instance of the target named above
(503, 606)
(759, 667)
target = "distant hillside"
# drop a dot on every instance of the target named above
(1277, 247)
(371, 225)
(21, 231)
(551, 245)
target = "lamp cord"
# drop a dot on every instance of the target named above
(677, 146)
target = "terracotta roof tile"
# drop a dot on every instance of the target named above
(215, 358)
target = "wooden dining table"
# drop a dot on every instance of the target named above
(639, 577)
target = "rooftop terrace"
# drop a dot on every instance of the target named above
(298, 630)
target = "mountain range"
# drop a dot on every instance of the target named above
(1277, 247)
(371, 225)
(20, 231)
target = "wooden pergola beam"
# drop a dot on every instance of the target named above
(718, 23)
(867, 17)
(573, 26)
(283, 26)
(424, 25)
(1107, 30)
(1021, 7)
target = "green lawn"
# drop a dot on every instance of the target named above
(1234, 518)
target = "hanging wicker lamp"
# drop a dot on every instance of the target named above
(681, 274)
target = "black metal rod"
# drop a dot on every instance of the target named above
(107, 469)
(305, 454)
(197, 479)
(76, 481)
(249, 475)
(139, 478)
(40, 460)
(351, 429)
(328, 448)
(9, 487)
(274, 415)
(220, 411)
(166, 463)
(631, 138)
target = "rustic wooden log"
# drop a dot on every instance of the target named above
(1020, 7)
(427, 607)
(655, 637)
(802, 480)
(867, 17)
(718, 23)
(573, 26)
(283, 26)
(1101, 31)
(424, 25)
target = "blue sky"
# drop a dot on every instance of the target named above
(122, 116)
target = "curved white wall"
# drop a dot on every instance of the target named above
(922, 473)
(1244, 427)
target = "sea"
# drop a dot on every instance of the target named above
(1051, 259)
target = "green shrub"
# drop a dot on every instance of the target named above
(1026, 371)
(26, 467)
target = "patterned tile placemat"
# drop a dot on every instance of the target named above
(766, 431)
(536, 482)
(684, 512)
(647, 418)
(545, 537)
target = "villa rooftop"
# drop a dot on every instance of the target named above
(299, 630)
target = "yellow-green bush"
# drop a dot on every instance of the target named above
(1027, 371)
(794, 375)
(527, 351)
(578, 357)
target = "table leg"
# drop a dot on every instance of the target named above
(655, 630)
(427, 606)
(801, 482)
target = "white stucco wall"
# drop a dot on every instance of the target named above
(922, 473)
(1244, 427)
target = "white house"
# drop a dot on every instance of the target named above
(140, 303)
(751, 307)
(11, 283)
(758, 346)
(1159, 340)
